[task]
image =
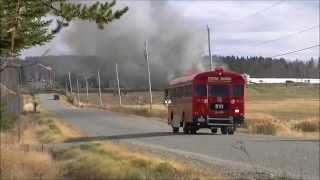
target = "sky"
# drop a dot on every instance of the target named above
(240, 28)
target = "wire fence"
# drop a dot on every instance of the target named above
(10, 78)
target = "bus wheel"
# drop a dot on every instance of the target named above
(224, 130)
(231, 130)
(175, 129)
(185, 128)
(214, 130)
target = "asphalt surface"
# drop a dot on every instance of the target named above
(292, 157)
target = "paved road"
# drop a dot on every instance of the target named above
(299, 158)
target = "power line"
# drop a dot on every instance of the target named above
(253, 14)
(291, 52)
(289, 35)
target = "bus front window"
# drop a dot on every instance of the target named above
(238, 90)
(219, 90)
(201, 90)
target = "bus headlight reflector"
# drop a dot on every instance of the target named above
(232, 101)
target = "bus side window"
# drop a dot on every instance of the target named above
(189, 90)
(184, 91)
(172, 93)
(179, 92)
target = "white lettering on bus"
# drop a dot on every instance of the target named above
(214, 79)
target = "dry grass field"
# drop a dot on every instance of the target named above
(281, 110)
(291, 110)
(25, 160)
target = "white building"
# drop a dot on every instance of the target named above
(280, 80)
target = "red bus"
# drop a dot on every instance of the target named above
(213, 100)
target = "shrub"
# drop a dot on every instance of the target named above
(262, 125)
(71, 99)
(309, 125)
(96, 161)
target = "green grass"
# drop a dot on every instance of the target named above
(281, 92)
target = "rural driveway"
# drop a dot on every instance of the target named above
(296, 158)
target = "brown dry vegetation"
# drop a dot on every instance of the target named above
(286, 111)
(270, 109)
(87, 161)
(18, 163)
(44, 127)
(308, 125)
(109, 161)
(290, 117)
(143, 110)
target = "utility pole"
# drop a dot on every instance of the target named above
(209, 46)
(78, 97)
(87, 97)
(99, 89)
(54, 78)
(146, 55)
(70, 83)
(119, 93)
(66, 84)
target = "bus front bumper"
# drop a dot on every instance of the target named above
(208, 122)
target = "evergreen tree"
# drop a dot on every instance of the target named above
(25, 23)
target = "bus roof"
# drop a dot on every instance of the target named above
(190, 78)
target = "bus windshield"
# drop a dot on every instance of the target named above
(201, 90)
(219, 90)
(237, 90)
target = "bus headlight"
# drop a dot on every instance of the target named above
(236, 110)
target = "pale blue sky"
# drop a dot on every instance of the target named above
(237, 28)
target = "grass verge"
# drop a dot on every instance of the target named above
(109, 161)
(19, 164)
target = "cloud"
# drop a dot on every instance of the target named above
(237, 31)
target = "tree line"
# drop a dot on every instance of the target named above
(264, 67)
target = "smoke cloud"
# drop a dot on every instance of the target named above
(175, 44)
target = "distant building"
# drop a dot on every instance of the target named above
(39, 75)
(251, 80)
